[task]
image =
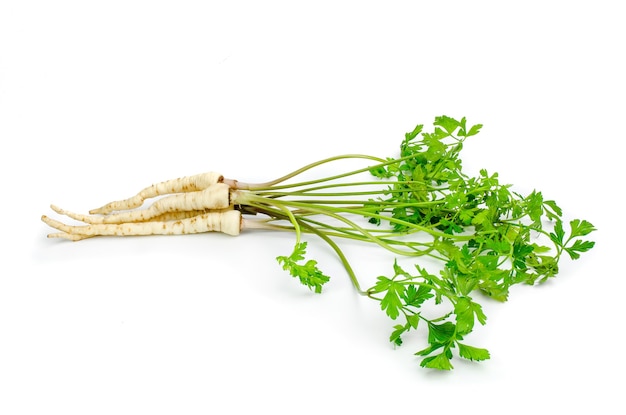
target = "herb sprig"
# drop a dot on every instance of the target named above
(485, 236)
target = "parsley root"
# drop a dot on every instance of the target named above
(228, 222)
(215, 196)
(485, 237)
(183, 184)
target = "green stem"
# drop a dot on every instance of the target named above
(273, 183)
(293, 220)
(342, 257)
(334, 213)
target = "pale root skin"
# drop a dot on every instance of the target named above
(228, 222)
(193, 204)
(214, 197)
(181, 185)
(164, 217)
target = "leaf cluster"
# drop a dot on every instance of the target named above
(402, 297)
(308, 273)
(485, 236)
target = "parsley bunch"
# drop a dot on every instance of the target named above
(481, 235)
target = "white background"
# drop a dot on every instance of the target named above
(99, 99)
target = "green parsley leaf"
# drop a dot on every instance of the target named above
(558, 234)
(474, 130)
(472, 353)
(465, 310)
(395, 338)
(552, 210)
(440, 333)
(449, 124)
(579, 246)
(440, 362)
(580, 228)
(414, 297)
(308, 273)
(391, 302)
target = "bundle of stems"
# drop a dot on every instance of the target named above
(484, 236)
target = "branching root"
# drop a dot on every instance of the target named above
(194, 204)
